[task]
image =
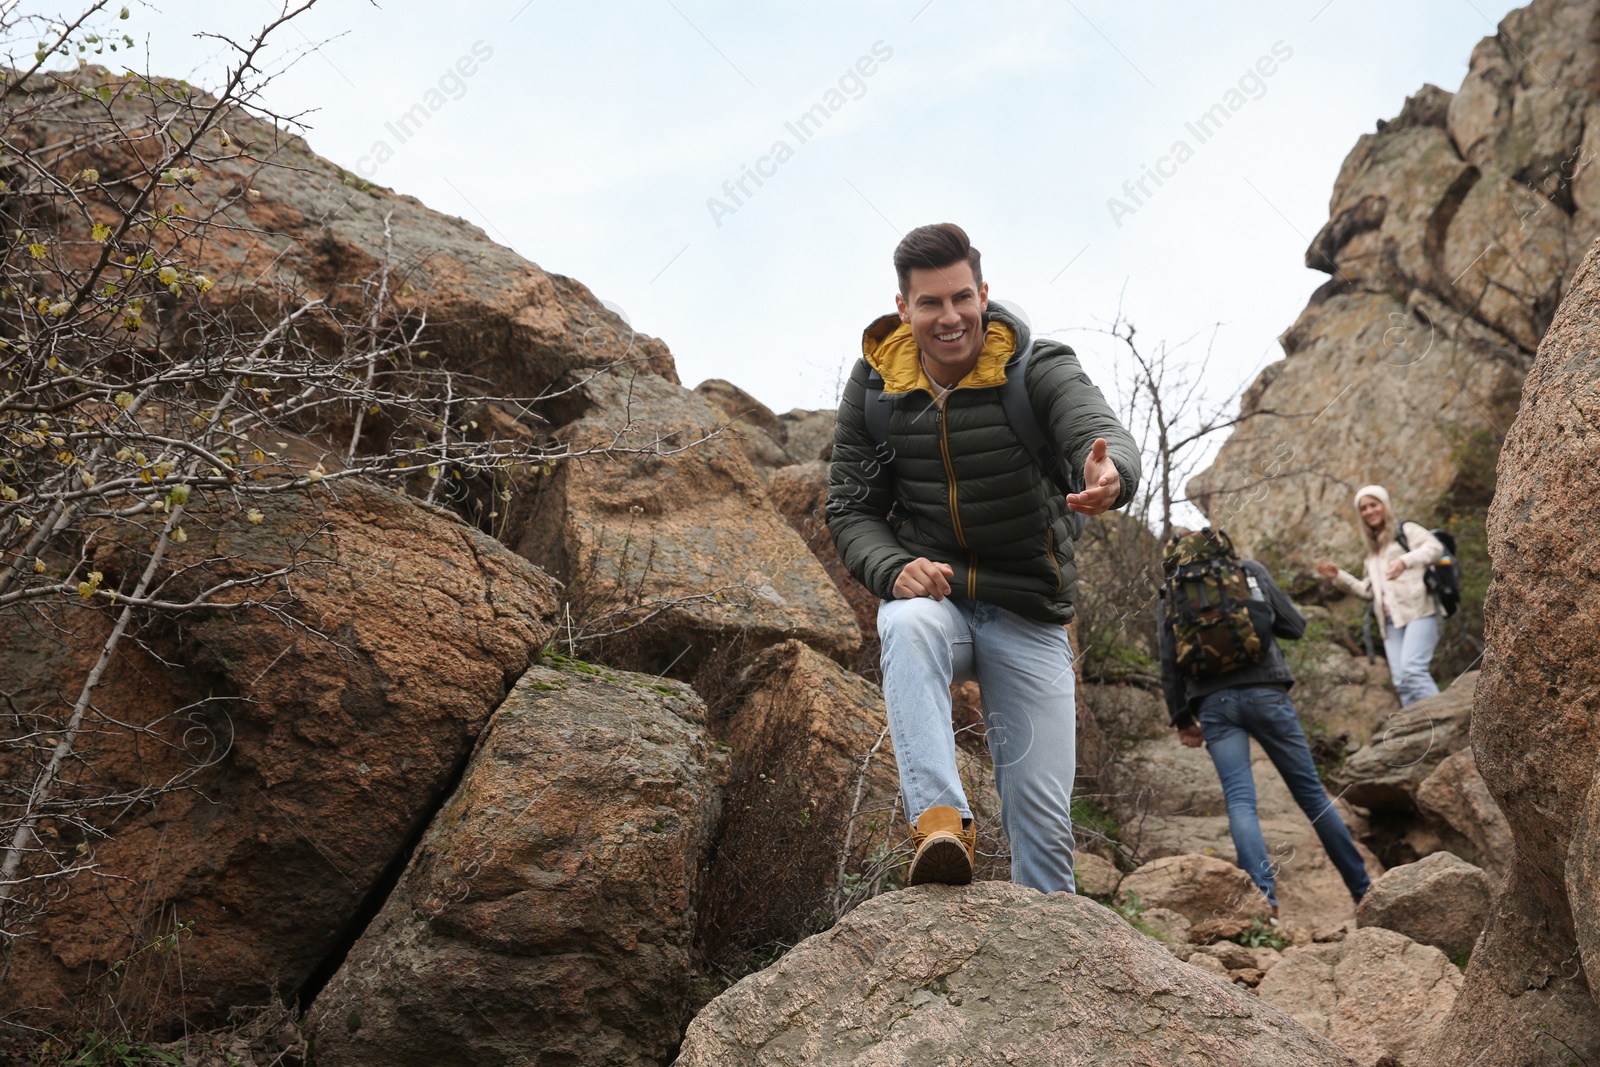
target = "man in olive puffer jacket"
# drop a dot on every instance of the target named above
(969, 544)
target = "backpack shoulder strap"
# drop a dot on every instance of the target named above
(1400, 536)
(876, 408)
(1025, 424)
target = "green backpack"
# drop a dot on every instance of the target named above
(1209, 605)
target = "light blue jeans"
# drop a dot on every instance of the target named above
(1024, 669)
(1409, 649)
(1229, 718)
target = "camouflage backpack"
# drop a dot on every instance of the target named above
(1208, 605)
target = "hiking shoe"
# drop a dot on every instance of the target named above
(945, 852)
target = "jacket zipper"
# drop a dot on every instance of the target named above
(1056, 563)
(955, 506)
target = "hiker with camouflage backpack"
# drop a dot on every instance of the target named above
(1219, 619)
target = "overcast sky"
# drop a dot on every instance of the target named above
(608, 140)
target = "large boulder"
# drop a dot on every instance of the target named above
(1462, 814)
(772, 441)
(991, 973)
(757, 428)
(812, 824)
(670, 549)
(1535, 731)
(800, 493)
(1378, 994)
(316, 742)
(808, 434)
(290, 221)
(1384, 774)
(547, 915)
(1452, 232)
(1196, 886)
(1441, 900)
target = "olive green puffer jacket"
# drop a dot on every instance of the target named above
(963, 490)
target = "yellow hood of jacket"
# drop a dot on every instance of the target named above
(889, 349)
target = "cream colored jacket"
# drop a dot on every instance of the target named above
(1409, 599)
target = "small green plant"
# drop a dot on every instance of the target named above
(100, 1050)
(1263, 935)
(1131, 910)
(562, 662)
(1088, 815)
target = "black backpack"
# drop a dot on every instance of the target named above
(1019, 416)
(1442, 579)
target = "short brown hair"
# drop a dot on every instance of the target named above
(932, 247)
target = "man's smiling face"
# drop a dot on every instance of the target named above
(945, 308)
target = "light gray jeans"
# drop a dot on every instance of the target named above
(1409, 649)
(1024, 669)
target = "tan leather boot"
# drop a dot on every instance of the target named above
(945, 852)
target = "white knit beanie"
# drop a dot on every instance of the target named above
(1377, 491)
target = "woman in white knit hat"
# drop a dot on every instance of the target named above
(1394, 584)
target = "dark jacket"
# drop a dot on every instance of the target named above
(963, 489)
(1185, 694)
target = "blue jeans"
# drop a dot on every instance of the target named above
(1229, 718)
(1409, 649)
(1024, 669)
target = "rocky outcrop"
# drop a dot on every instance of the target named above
(808, 434)
(683, 550)
(308, 226)
(1384, 774)
(1452, 232)
(1535, 734)
(1168, 802)
(1462, 817)
(1441, 900)
(548, 913)
(800, 493)
(812, 812)
(704, 559)
(752, 422)
(1342, 696)
(993, 973)
(771, 441)
(812, 824)
(317, 742)
(1196, 886)
(1377, 994)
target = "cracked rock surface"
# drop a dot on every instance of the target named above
(991, 973)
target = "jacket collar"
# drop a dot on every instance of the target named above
(889, 349)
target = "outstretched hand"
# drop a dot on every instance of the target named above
(1327, 570)
(1191, 736)
(1103, 482)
